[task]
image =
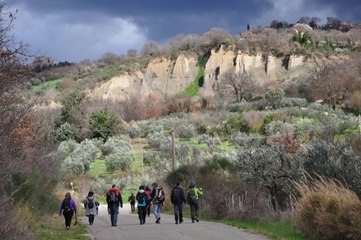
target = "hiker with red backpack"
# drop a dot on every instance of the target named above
(114, 200)
(193, 195)
(177, 198)
(142, 204)
(158, 197)
(68, 208)
(91, 207)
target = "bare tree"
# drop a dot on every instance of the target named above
(235, 84)
(151, 49)
(333, 82)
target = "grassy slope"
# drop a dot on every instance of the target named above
(52, 228)
(47, 85)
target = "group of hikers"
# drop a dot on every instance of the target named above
(144, 198)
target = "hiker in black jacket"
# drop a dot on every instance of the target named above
(177, 198)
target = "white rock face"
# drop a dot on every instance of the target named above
(122, 87)
(164, 76)
(295, 61)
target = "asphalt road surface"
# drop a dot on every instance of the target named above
(129, 228)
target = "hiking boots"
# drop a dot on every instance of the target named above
(196, 218)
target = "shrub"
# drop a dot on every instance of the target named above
(274, 96)
(186, 131)
(156, 139)
(133, 132)
(80, 159)
(65, 149)
(118, 154)
(328, 210)
(65, 132)
(103, 125)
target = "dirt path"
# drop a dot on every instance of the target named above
(130, 229)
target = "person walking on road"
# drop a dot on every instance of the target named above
(91, 207)
(142, 204)
(114, 200)
(193, 195)
(177, 198)
(131, 200)
(68, 208)
(158, 197)
(148, 192)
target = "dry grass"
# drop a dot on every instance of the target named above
(328, 210)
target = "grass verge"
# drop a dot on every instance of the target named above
(53, 228)
(282, 230)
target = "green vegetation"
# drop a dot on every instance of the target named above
(46, 85)
(52, 228)
(193, 142)
(193, 88)
(98, 168)
(275, 229)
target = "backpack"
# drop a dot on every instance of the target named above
(141, 198)
(113, 197)
(160, 196)
(67, 206)
(192, 194)
(176, 198)
(90, 203)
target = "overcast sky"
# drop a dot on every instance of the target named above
(74, 30)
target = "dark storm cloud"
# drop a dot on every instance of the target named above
(345, 9)
(78, 29)
(162, 18)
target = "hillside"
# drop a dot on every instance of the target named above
(265, 122)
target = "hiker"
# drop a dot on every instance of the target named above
(158, 197)
(91, 207)
(148, 192)
(68, 208)
(142, 204)
(114, 200)
(131, 200)
(193, 195)
(177, 198)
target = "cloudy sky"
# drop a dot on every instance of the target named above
(74, 30)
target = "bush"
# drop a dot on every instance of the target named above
(103, 125)
(118, 154)
(156, 139)
(186, 131)
(79, 161)
(65, 132)
(328, 210)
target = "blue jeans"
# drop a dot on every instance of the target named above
(157, 208)
(114, 216)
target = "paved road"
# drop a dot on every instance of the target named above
(129, 228)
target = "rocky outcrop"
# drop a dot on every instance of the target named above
(295, 61)
(169, 77)
(122, 87)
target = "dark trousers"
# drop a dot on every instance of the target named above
(68, 215)
(132, 207)
(148, 209)
(142, 213)
(194, 205)
(178, 212)
(91, 219)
